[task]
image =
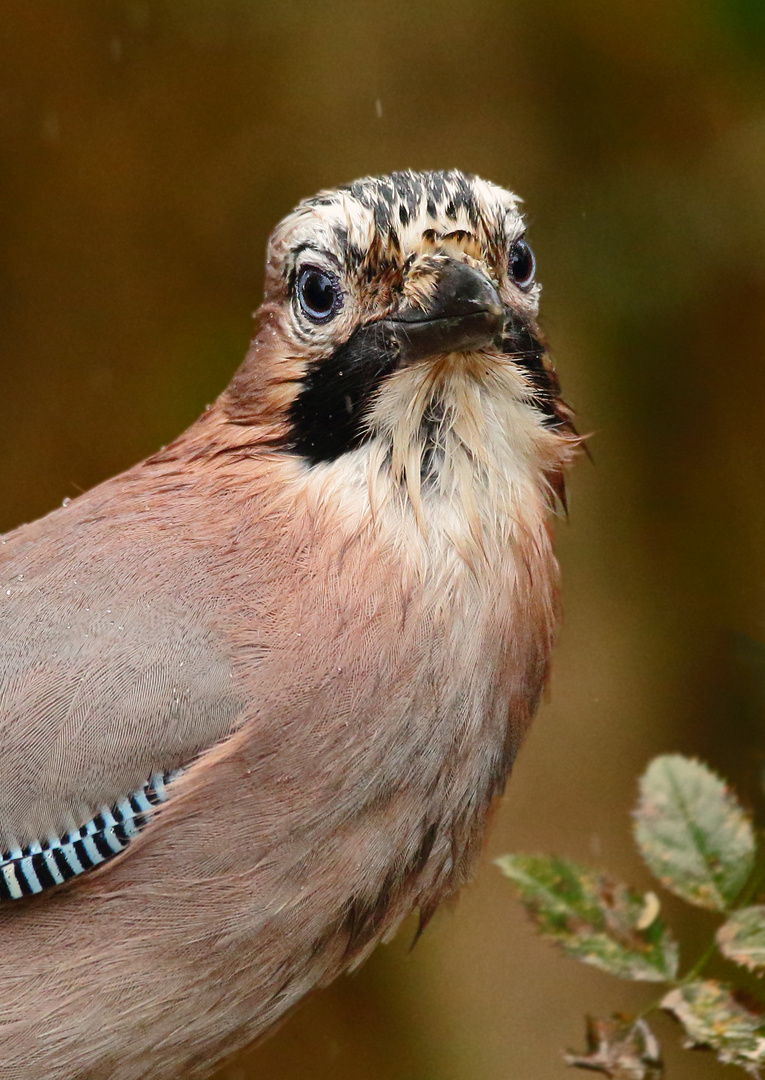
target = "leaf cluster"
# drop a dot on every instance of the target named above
(700, 844)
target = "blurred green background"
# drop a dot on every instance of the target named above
(146, 150)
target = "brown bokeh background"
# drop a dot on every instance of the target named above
(147, 148)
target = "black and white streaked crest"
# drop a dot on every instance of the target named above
(401, 198)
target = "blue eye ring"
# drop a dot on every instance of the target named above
(318, 293)
(521, 264)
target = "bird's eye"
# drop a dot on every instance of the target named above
(319, 294)
(521, 264)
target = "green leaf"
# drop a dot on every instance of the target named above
(712, 1016)
(742, 937)
(621, 1048)
(593, 918)
(692, 832)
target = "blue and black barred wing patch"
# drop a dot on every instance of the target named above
(43, 864)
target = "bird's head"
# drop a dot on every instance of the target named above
(399, 313)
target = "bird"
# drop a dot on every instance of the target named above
(259, 692)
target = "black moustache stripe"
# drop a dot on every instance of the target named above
(327, 416)
(519, 342)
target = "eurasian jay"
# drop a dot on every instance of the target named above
(258, 693)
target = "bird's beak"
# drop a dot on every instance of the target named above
(465, 313)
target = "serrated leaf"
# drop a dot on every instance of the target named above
(712, 1016)
(692, 832)
(620, 1048)
(593, 918)
(742, 937)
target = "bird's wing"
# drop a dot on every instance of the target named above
(112, 670)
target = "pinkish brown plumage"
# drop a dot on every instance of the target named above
(330, 603)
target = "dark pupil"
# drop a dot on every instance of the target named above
(317, 293)
(521, 263)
